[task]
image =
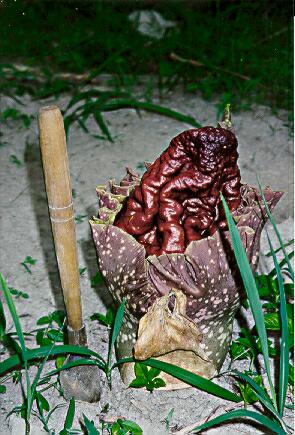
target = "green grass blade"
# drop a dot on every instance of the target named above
(68, 121)
(252, 292)
(291, 242)
(102, 125)
(290, 268)
(284, 351)
(93, 93)
(193, 379)
(82, 111)
(282, 263)
(126, 103)
(82, 125)
(10, 343)
(21, 339)
(14, 315)
(123, 361)
(36, 379)
(70, 416)
(60, 405)
(9, 363)
(49, 414)
(115, 331)
(238, 414)
(78, 362)
(186, 376)
(2, 320)
(260, 393)
(91, 429)
(35, 383)
(37, 353)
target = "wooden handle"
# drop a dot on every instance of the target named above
(59, 194)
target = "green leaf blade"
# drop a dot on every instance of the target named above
(287, 259)
(284, 354)
(260, 392)
(251, 290)
(130, 426)
(150, 107)
(158, 383)
(42, 402)
(193, 379)
(238, 414)
(102, 125)
(14, 316)
(138, 383)
(91, 429)
(70, 416)
(116, 328)
(37, 353)
(2, 320)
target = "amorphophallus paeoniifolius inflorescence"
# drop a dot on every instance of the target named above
(162, 243)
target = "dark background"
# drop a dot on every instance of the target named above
(245, 47)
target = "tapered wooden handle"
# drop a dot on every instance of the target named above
(59, 194)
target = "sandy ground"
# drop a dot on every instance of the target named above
(265, 148)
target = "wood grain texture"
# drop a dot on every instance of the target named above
(60, 203)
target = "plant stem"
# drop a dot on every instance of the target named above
(109, 378)
(28, 427)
